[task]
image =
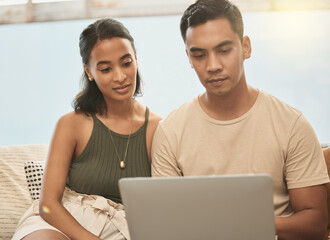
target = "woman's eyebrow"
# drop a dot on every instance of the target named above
(107, 62)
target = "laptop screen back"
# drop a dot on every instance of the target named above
(238, 207)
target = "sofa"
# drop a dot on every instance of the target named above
(20, 182)
(16, 193)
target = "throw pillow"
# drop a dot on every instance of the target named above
(33, 174)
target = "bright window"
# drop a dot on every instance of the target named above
(20, 11)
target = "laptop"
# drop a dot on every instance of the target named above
(228, 207)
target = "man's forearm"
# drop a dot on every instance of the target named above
(308, 224)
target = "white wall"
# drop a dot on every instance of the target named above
(40, 68)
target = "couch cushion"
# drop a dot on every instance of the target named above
(14, 195)
(33, 173)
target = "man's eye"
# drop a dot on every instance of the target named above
(199, 56)
(224, 51)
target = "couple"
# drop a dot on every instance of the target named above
(230, 128)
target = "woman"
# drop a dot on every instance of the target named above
(107, 137)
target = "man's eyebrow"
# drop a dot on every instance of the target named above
(224, 43)
(196, 49)
(107, 62)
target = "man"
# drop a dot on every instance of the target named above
(234, 128)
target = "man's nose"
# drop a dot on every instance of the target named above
(214, 63)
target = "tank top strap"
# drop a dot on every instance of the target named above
(146, 117)
(94, 116)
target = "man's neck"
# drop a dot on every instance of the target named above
(230, 106)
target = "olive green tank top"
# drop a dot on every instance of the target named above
(97, 170)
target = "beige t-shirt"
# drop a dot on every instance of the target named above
(271, 138)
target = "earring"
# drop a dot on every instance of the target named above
(90, 79)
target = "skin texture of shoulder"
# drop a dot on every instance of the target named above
(153, 120)
(77, 126)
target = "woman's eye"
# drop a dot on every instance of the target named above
(105, 70)
(128, 63)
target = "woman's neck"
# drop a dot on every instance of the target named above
(120, 109)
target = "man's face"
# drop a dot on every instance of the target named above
(217, 55)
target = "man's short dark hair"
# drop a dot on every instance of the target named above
(205, 10)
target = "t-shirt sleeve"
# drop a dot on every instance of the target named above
(163, 160)
(305, 164)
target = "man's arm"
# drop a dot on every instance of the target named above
(163, 160)
(310, 218)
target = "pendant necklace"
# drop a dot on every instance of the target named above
(122, 164)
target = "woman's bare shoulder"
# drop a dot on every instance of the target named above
(75, 117)
(154, 118)
(74, 120)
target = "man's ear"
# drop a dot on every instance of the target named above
(246, 47)
(90, 77)
(189, 59)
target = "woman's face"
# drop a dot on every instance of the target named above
(113, 66)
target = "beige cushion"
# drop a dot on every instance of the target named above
(14, 195)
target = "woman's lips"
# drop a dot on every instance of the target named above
(122, 89)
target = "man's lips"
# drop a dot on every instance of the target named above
(216, 81)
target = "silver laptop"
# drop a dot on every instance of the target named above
(228, 207)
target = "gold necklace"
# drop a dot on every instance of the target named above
(122, 162)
